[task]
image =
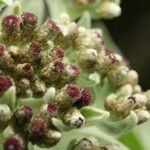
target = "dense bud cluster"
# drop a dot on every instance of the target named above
(51, 74)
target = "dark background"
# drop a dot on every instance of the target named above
(131, 32)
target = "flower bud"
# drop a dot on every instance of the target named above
(11, 27)
(117, 75)
(36, 129)
(29, 19)
(5, 115)
(22, 87)
(21, 118)
(6, 62)
(68, 96)
(48, 31)
(48, 111)
(71, 73)
(57, 52)
(121, 106)
(74, 118)
(34, 51)
(88, 57)
(86, 144)
(5, 83)
(28, 25)
(51, 138)
(142, 115)
(108, 9)
(14, 142)
(140, 99)
(85, 100)
(132, 78)
(24, 70)
(39, 88)
(105, 61)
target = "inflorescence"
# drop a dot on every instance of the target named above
(35, 58)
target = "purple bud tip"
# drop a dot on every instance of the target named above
(58, 52)
(59, 65)
(5, 83)
(27, 67)
(38, 126)
(74, 68)
(52, 25)
(132, 99)
(73, 91)
(13, 143)
(35, 47)
(26, 109)
(2, 49)
(108, 52)
(52, 107)
(86, 97)
(11, 21)
(29, 18)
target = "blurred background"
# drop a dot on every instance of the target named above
(131, 32)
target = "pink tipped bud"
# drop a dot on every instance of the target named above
(5, 83)
(11, 21)
(52, 107)
(35, 47)
(73, 91)
(72, 70)
(25, 70)
(26, 110)
(58, 52)
(108, 52)
(85, 100)
(52, 25)
(58, 66)
(29, 18)
(2, 49)
(37, 126)
(13, 143)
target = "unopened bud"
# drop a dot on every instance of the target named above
(11, 27)
(14, 142)
(57, 52)
(52, 137)
(5, 115)
(68, 96)
(39, 88)
(74, 118)
(108, 9)
(142, 115)
(5, 83)
(85, 100)
(24, 70)
(21, 118)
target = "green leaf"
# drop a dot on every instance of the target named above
(91, 113)
(121, 127)
(85, 20)
(9, 97)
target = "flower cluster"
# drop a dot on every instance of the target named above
(32, 66)
(50, 59)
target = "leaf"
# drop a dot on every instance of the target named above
(91, 113)
(121, 127)
(9, 97)
(85, 20)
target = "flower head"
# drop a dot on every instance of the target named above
(29, 18)
(11, 21)
(5, 83)
(13, 142)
